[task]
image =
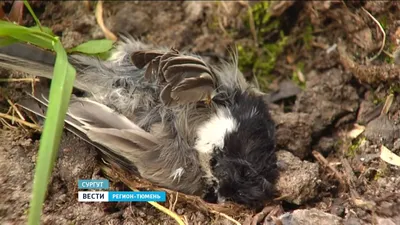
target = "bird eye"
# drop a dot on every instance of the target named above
(213, 162)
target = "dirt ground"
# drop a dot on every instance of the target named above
(330, 80)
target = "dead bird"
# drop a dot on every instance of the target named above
(168, 117)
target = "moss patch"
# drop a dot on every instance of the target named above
(354, 148)
(260, 58)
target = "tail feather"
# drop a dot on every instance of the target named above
(123, 142)
(28, 59)
(83, 109)
(32, 60)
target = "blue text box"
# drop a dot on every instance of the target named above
(93, 184)
(137, 196)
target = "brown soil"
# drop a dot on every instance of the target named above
(341, 88)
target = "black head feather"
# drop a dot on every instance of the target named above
(246, 166)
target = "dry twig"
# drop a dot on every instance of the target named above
(382, 31)
(350, 178)
(251, 21)
(261, 215)
(252, 26)
(19, 80)
(321, 159)
(369, 74)
(176, 200)
(31, 125)
(226, 216)
(16, 109)
(99, 18)
(86, 3)
(267, 212)
(166, 211)
(5, 123)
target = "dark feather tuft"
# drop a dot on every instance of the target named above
(246, 167)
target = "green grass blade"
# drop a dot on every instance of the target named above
(60, 92)
(44, 29)
(93, 47)
(7, 41)
(33, 14)
(33, 36)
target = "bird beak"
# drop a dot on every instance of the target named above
(221, 199)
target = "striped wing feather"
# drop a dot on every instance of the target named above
(185, 79)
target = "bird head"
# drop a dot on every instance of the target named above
(239, 144)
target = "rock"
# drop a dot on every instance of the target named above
(308, 217)
(335, 96)
(293, 133)
(298, 180)
(338, 207)
(384, 221)
(353, 221)
(368, 111)
(326, 145)
(382, 131)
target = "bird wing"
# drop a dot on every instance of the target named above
(117, 137)
(185, 79)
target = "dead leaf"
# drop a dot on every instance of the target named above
(301, 76)
(389, 157)
(287, 89)
(356, 131)
(388, 104)
(290, 58)
(16, 12)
